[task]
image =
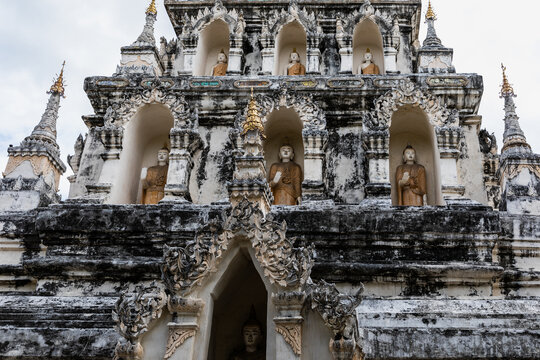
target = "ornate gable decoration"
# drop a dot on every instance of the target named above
(289, 267)
(408, 94)
(312, 116)
(207, 16)
(366, 11)
(120, 112)
(278, 19)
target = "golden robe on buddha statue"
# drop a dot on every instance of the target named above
(295, 67)
(410, 180)
(220, 69)
(368, 67)
(156, 179)
(286, 179)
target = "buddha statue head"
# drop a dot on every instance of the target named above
(222, 57)
(294, 57)
(286, 153)
(252, 333)
(368, 56)
(163, 156)
(409, 155)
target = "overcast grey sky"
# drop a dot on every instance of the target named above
(37, 35)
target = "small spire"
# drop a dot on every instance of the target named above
(152, 8)
(253, 121)
(58, 86)
(432, 40)
(430, 14)
(506, 88)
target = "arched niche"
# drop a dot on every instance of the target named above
(367, 35)
(283, 125)
(410, 125)
(144, 135)
(213, 38)
(291, 36)
(239, 289)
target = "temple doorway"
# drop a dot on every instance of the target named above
(240, 296)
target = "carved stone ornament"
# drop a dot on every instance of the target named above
(206, 16)
(177, 336)
(514, 170)
(408, 94)
(133, 314)
(277, 19)
(292, 334)
(365, 12)
(337, 309)
(282, 263)
(123, 110)
(185, 267)
(312, 116)
(285, 265)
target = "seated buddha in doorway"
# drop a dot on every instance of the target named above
(368, 67)
(295, 67)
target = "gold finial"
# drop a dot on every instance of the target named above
(506, 88)
(253, 121)
(294, 50)
(152, 8)
(430, 14)
(368, 50)
(58, 86)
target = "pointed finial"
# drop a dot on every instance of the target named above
(430, 14)
(58, 86)
(253, 121)
(152, 8)
(506, 88)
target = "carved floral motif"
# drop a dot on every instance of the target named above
(277, 19)
(185, 267)
(283, 264)
(292, 334)
(408, 94)
(337, 309)
(312, 116)
(177, 336)
(122, 110)
(133, 314)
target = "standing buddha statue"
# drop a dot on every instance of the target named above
(156, 178)
(410, 180)
(286, 178)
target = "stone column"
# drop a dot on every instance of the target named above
(235, 55)
(315, 142)
(288, 321)
(346, 53)
(313, 55)
(112, 137)
(184, 143)
(377, 149)
(390, 59)
(448, 142)
(268, 43)
(189, 44)
(183, 328)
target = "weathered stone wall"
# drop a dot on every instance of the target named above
(416, 264)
